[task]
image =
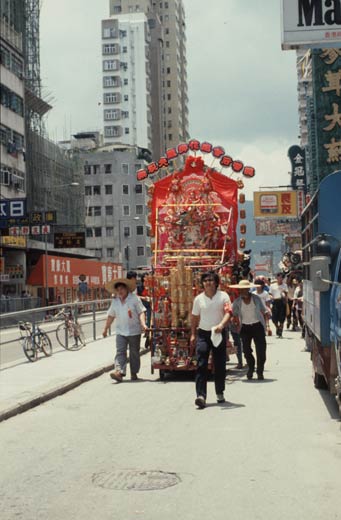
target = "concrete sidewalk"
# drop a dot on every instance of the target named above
(24, 385)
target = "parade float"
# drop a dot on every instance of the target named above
(194, 212)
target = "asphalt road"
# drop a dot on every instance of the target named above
(272, 452)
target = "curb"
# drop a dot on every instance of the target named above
(60, 390)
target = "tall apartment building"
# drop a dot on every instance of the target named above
(12, 143)
(144, 74)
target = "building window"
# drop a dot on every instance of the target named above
(126, 211)
(169, 97)
(98, 231)
(168, 70)
(112, 98)
(109, 32)
(167, 44)
(126, 97)
(89, 232)
(124, 49)
(125, 168)
(126, 231)
(169, 110)
(166, 5)
(111, 65)
(110, 48)
(126, 130)
(138, 188)
(112, 131)
(125, 114)
(11, 100)
(87, 170)
(138, 166)
(110, 252)
(109, 210)
(97, 190)
(109, 232)
(112, 81)
(97, 211)
(139, 230)
(108, 189)
(167, 30)
(139, 209)
(170, 136)
(169, 124)
(140, 251)
(125, 81)
(96, 169)
(112, 114)
(98, 252)
(117, 9)
(168, 83)
(88, 190)
(107, 168)
(125, 189)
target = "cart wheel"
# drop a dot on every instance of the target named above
(162, 375)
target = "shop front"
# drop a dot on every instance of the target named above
(67, 279)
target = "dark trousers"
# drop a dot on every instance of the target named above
(203, 348)
(279, 309)
(256, 333)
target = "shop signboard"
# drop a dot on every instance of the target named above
(11, 209)
(296, 155)
(13, 241)
(277, 227)
(275, 204)
(311, 24)
(326, 155)
(67, 272)
(67, 240)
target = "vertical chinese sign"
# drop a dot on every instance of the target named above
(327, 108)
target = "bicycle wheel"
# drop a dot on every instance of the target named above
(78, 337)
(45, 344)
(60, 334)
(29, 349)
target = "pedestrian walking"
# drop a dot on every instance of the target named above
(291, 315)
(210, 315)
(264, 295)
(250, 311)
(278, 292)
(129, 313)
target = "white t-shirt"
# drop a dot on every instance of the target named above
(277, 290)
(264, 296)
(127, 315)
(248, 312)
(210, 310)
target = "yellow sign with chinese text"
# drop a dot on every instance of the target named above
(275, 204)
(13, 241)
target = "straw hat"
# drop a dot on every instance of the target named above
(130, 284)
(243, 284)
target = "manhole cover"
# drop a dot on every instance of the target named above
(133, 480)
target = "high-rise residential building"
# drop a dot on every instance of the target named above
(126, 80)
(145, 74)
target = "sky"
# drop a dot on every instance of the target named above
(242, 87)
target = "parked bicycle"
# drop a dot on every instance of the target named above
(69, 334)
(34, 342)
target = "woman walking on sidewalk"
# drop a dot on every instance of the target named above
(129, 313)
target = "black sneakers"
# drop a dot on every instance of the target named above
(200, 402)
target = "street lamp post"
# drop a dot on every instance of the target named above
(46, 281)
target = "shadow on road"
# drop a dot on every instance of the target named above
(331, 404)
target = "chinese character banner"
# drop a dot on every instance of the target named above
(327, 103)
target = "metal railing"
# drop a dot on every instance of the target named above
(88, 313)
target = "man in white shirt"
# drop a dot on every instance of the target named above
(278, 292)
(129, 313)
(211, 310)
(250, 311)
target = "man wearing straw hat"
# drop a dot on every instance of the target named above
(210, 315)
(129, 313)
(250, 310)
